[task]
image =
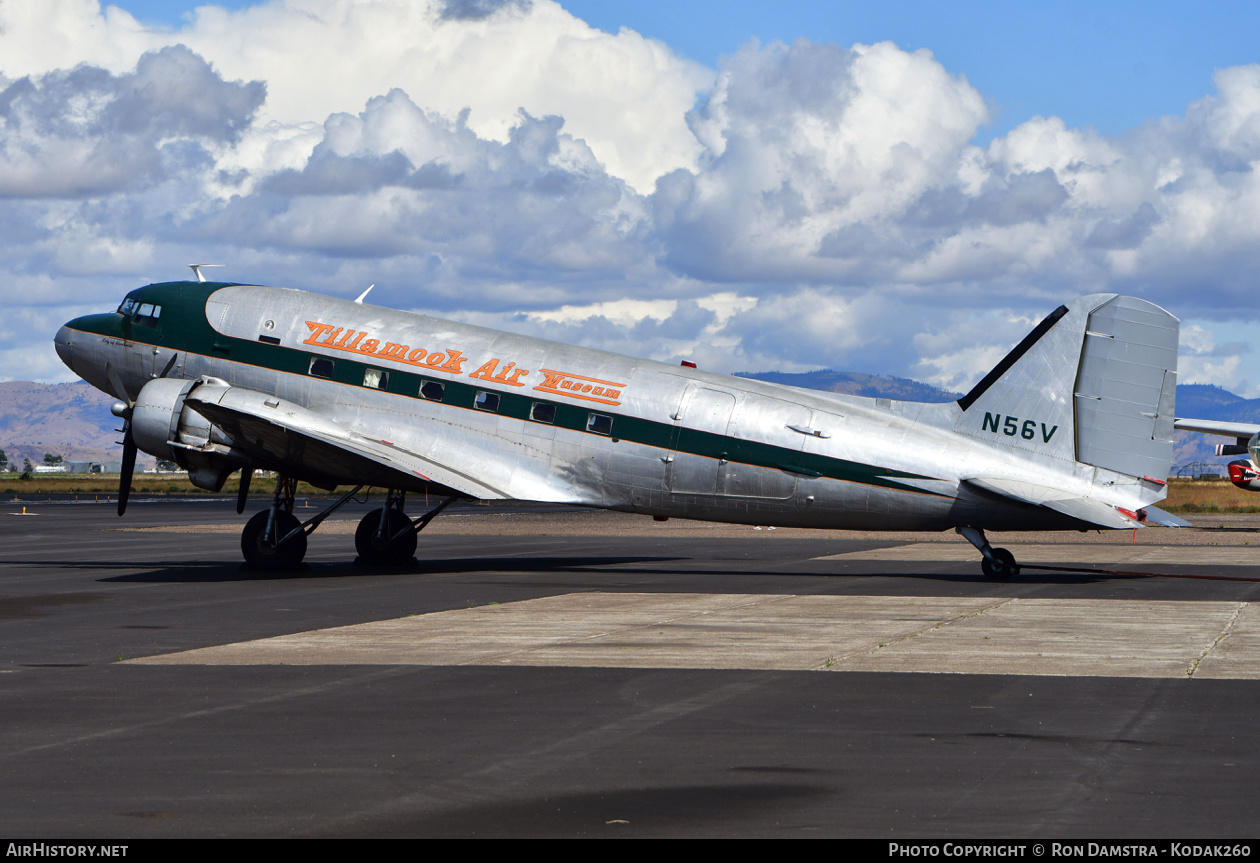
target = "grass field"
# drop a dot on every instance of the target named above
(1206, 495)
(148, 484)
(1184, 495)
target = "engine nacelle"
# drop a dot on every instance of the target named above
(1223, 449)
(1244, 475)
(163, 426)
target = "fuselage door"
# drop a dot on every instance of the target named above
(700, 443)
(766, 444)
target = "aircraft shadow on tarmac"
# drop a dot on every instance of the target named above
(181, 571)
(228, 571)
(644, 811)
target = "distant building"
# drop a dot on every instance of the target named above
(114, 466)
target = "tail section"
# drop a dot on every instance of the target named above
(1095, 382)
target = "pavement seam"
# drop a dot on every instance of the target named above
(939, 625)
(1194, 666)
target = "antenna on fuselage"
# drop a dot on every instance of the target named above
(365, 293)
(196, 268)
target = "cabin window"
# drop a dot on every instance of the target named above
(376, 379)
(541, 412)
(599, 424)
(147, 314)
(432, 390)
(487, 401)
(322, 367)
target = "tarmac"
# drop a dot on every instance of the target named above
(544, 672)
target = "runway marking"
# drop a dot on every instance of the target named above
(965, 635)
(1155, 555)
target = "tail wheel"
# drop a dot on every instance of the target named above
(379, 550)
(263, 552)
(1002, 567)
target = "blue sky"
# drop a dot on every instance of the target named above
(779, 186)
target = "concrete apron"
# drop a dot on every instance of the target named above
(972, 635)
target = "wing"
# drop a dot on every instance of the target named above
(1242, 431)
(1084, 509)
(290, 438)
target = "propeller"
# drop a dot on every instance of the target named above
(123, 411)
(123, 408)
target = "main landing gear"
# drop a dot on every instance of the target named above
(386, 536)
(274, 539)
(998, 564)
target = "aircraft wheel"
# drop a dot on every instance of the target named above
(260, 553)
(381, 552)
(1002, 568)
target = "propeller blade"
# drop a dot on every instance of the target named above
(128, 468)
(247, 474)
(116, 384)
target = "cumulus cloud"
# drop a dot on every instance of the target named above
(505, 163)
(477, 10)
(625, 95)
(397, 180)
(1204, 360)
(812, 154)
(87, 132)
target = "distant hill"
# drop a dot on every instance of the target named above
(73, 420)
(1207, 402)
(70, 420)
(857, 384)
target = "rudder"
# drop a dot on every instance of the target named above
(1126, 389)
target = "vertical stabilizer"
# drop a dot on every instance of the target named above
(1095, 382)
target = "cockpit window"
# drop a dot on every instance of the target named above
(127, 307)
(147, 314)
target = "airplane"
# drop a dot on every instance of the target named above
(1072, 430)
(1244, 473)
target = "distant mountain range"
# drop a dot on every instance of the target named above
(69, 420)
(73, 420)
(857, 384)
(1207, 402)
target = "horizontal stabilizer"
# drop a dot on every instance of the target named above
(1155, 515)
(1081, 508)
(1093, 511)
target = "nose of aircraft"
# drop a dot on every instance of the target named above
(65, 344)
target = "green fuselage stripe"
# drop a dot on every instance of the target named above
(183, 327)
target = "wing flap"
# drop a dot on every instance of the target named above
(281, 432)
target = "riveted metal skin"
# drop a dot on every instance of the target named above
(345, 393)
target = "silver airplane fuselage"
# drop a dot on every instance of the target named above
(529, 419)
